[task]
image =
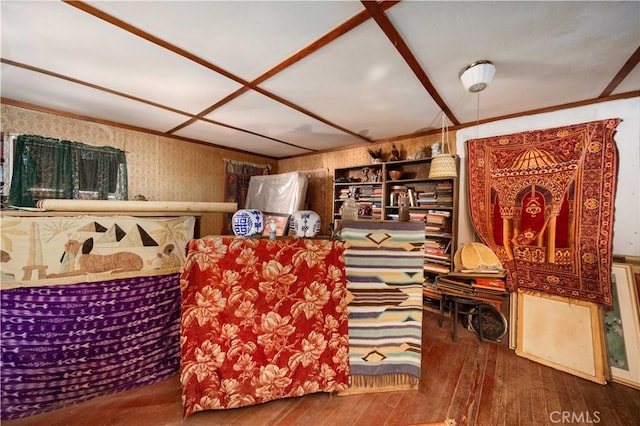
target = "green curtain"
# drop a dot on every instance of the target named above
(51, 168)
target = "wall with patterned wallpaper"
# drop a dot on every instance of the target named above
(151, 159)
(320, 192)
(154, 173)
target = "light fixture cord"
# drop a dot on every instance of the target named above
(478, 116)
(445, 135)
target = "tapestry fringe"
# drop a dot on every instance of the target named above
(384, 381)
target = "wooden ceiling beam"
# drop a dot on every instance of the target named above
(188, 55)
(378, 14)
(628, 66)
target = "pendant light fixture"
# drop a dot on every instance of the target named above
(476, 76)
(444, 165)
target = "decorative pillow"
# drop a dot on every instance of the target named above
(305, 224)
(248, 223)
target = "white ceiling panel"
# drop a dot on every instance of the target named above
(91, 50)
(246, 38)
(361, 83)
(258, 113)
(53, 93)
(541, 50)
(234, 139)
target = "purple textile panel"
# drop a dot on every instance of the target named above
(69, 343)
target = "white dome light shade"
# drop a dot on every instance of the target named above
(476, 76)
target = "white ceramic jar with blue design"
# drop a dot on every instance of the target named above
(248, 223)
(306, 224)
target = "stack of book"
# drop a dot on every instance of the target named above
(456, 286)
(437, 248)
(377, 193)
(366, 193)
(417, 216)
(344, 193)
(427, 198)
(436, 221)
(376, 210)
(373, 198)
(478, 283)
(435, 263)
(489, 285)
(444, 194)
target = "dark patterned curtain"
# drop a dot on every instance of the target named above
(51, 168)
(236, 184)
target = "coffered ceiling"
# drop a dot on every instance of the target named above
(283, 79)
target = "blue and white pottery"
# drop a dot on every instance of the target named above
(306, 224)
(248, 223)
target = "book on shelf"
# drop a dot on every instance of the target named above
(490, 293)
(437, 246)
(413, 200)
(435, 219)
(440, 263)
(441, 259)
(489, 284)
(436, 252)
(427, 198)
(453, 288)
(460, 282)
(436, 268)
(481, 272)
(444, 193)
(471, 284)
(431, 228)
(376, 211)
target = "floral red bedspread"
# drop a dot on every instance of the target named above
(262, 320)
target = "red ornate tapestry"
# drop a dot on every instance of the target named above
(262, 320)
(236, 183)
(543, 201)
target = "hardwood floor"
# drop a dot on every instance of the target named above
(470, 382)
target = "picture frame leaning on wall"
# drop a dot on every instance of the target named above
(622, 327)
(282, 222)
(562, 333)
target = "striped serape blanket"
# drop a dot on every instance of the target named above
(384, 268)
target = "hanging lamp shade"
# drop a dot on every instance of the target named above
(443, 165)
(477, 75)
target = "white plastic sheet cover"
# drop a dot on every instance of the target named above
(280, 193)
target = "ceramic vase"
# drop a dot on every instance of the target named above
(306, 224)
(248, 223)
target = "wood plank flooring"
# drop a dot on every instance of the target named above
(470, 382)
